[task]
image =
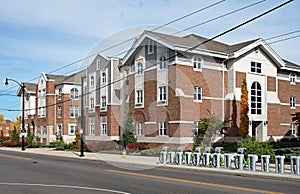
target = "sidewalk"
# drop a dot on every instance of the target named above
(152, 162)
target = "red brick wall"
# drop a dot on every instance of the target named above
(271, 84)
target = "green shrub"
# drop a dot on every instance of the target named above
(255, 147)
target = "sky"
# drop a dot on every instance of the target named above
(43, 36)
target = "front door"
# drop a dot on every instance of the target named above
(257, 130)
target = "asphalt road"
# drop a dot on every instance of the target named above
(31, 174)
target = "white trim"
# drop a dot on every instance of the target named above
(211, 98)
(285, 124)
(167, 139)
(150, 123)
(181, 122)
(102, 137)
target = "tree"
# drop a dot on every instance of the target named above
(15, 135)
(30, 138)
(244, 119)
(207, 128)
(128, 136)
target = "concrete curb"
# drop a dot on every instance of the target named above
(152, 162)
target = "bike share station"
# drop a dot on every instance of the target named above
(203, 157)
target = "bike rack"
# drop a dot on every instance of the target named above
(179, 155)
(279, 164)
(217, 155)
(265, 163)
(197, 155)
(239, 157)
(164, 154)
(227, 160)
(295, 165)
(171, 156)
(188, 157)
(206, 156)
(252, 159)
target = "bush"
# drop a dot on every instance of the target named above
(12, 144)
(137, 146)
(255, 147)
(98, 146)
(278, 145)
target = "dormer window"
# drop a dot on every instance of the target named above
(255, 67)
(150, 47)
(197, 62)
(292, 77)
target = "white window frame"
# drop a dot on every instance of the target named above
(162, 92)
(139, 128)
(103, 102)
(45, 130)
(92, 125)
(59, 112)
(292, 102)
(292, 129)
(256, 99)
(103, 125)
(150, 47)
(92, 81)
(140, 68)
(292, 78)
(162, 128)
(197, 63)
(74, 111)
(196, 127)
(59, 94)
(70, 127)
(255, 67)
(139, 97)
(162, 62)
(92, 104)
(197, 94)
(59, 129)
(74, 93)
(103, 78)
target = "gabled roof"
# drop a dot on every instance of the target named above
(235, 47)
(70, 79)
(29, 87)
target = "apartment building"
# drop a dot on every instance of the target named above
(101, 99)
(174, 81)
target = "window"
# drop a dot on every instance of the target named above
(196, 127)
(256, 99)
(44, 92)
(72, 129)
(292, 78)
(162, 93)
(162, 128)
(92, 81)
(59, 112)
(39, 130)
(103, 101)
(140, 68)
(74, 110)
(197, 93)
(139, 97)
(98, 64)
(45, 130)
(292, 102)
(150, 47)
(103, 78)
(132, 67)
(162, 62)
(59, 94)
(103, 125)
(92, 125)
(292, 129)
(139, 130)
(74, 93)
(92, 105)
(255, 67)
(197, 62)
(59, 129)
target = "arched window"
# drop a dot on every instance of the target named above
(256, 99)
(162, 62)
(103, 78)
(92, 81)
(140, 68)
(197, 62)
(74, 93)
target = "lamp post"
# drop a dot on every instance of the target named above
(81, 143)
(23, 109)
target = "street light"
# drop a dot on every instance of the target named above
(23, 108)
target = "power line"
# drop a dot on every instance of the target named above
(187, 50)
(125, 41)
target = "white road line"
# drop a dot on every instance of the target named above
(63, 186)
